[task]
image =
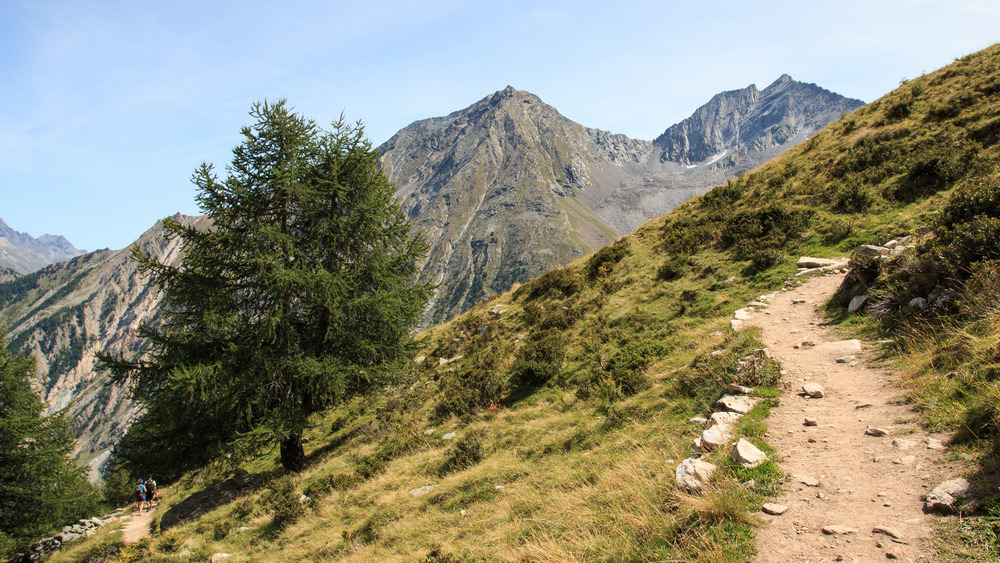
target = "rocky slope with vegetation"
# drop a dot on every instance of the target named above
(547, 424)
(508, 188)
(65, 313)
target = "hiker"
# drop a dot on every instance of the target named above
(140, 494)
(150, 491)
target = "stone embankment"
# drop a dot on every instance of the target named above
(81, 529)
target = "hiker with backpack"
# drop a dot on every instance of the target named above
(150, 491)
(140, 494)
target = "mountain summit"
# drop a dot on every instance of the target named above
(24, 254)
(508, 188)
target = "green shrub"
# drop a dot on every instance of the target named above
(538, 361)
(560, 282)
(329, 483)
(283, 501)
(762, 260)
(604, 260)
(769, 227)
(670, 270)
(853, 197)
(968, 201)
(468, 451)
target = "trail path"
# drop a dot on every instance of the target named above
(838, 475)
(137, 526)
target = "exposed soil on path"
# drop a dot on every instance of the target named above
(836, 474)
(137, 526)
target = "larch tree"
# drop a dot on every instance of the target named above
(301, 293)
(41, 485)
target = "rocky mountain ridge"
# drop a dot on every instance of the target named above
(23, 253)
(508, 188)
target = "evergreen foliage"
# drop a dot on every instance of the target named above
(300, 295)
(41, 487)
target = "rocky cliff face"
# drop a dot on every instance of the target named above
(65, 313)
(23, 253)
(508, 188)
(745, 127)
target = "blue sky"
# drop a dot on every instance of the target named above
(110, 105)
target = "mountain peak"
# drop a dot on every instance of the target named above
(24, 254)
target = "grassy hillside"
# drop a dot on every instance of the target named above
(568, 398)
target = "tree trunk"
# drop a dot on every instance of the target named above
(293, 457)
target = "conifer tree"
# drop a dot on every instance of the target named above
(41, 486)
(300, 294)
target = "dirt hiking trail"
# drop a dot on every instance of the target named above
(841, 484)
(137, 526)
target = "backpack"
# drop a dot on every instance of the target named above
(140, 488)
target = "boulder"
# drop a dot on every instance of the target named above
(944, 497)
(747, 454)
(726, 417)
(867, 250)
(734, 403)
(813, 390)
(694, 475)
(734, 389)
(716, 436)
(423, 491)
(774, 509)
(856, 303)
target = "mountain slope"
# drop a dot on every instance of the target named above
(508, 188)
(547, 423)
(65, 313)
(23, 253)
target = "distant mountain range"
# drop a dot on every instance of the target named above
(508, 188)
(23, 253)
(504, 190)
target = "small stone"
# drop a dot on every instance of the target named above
(807, 480)
(428, 432)
(798, 301)
(942, 498)
(814, 390)
(716, 436)
(933, 444)
(808, 343)
(891, 555)
(838, 530)
(423, 491)
(747, 454)
(876, 432)
(448, 436)
(810, 422)
(219, 557)
(845, 359)
(420, 359)
(735, 389)
(694, 475)
(774, 509)
(698, 420)
(856, 303)
(726, 417)
(903, 444)
(734, 403)
(891, 532)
